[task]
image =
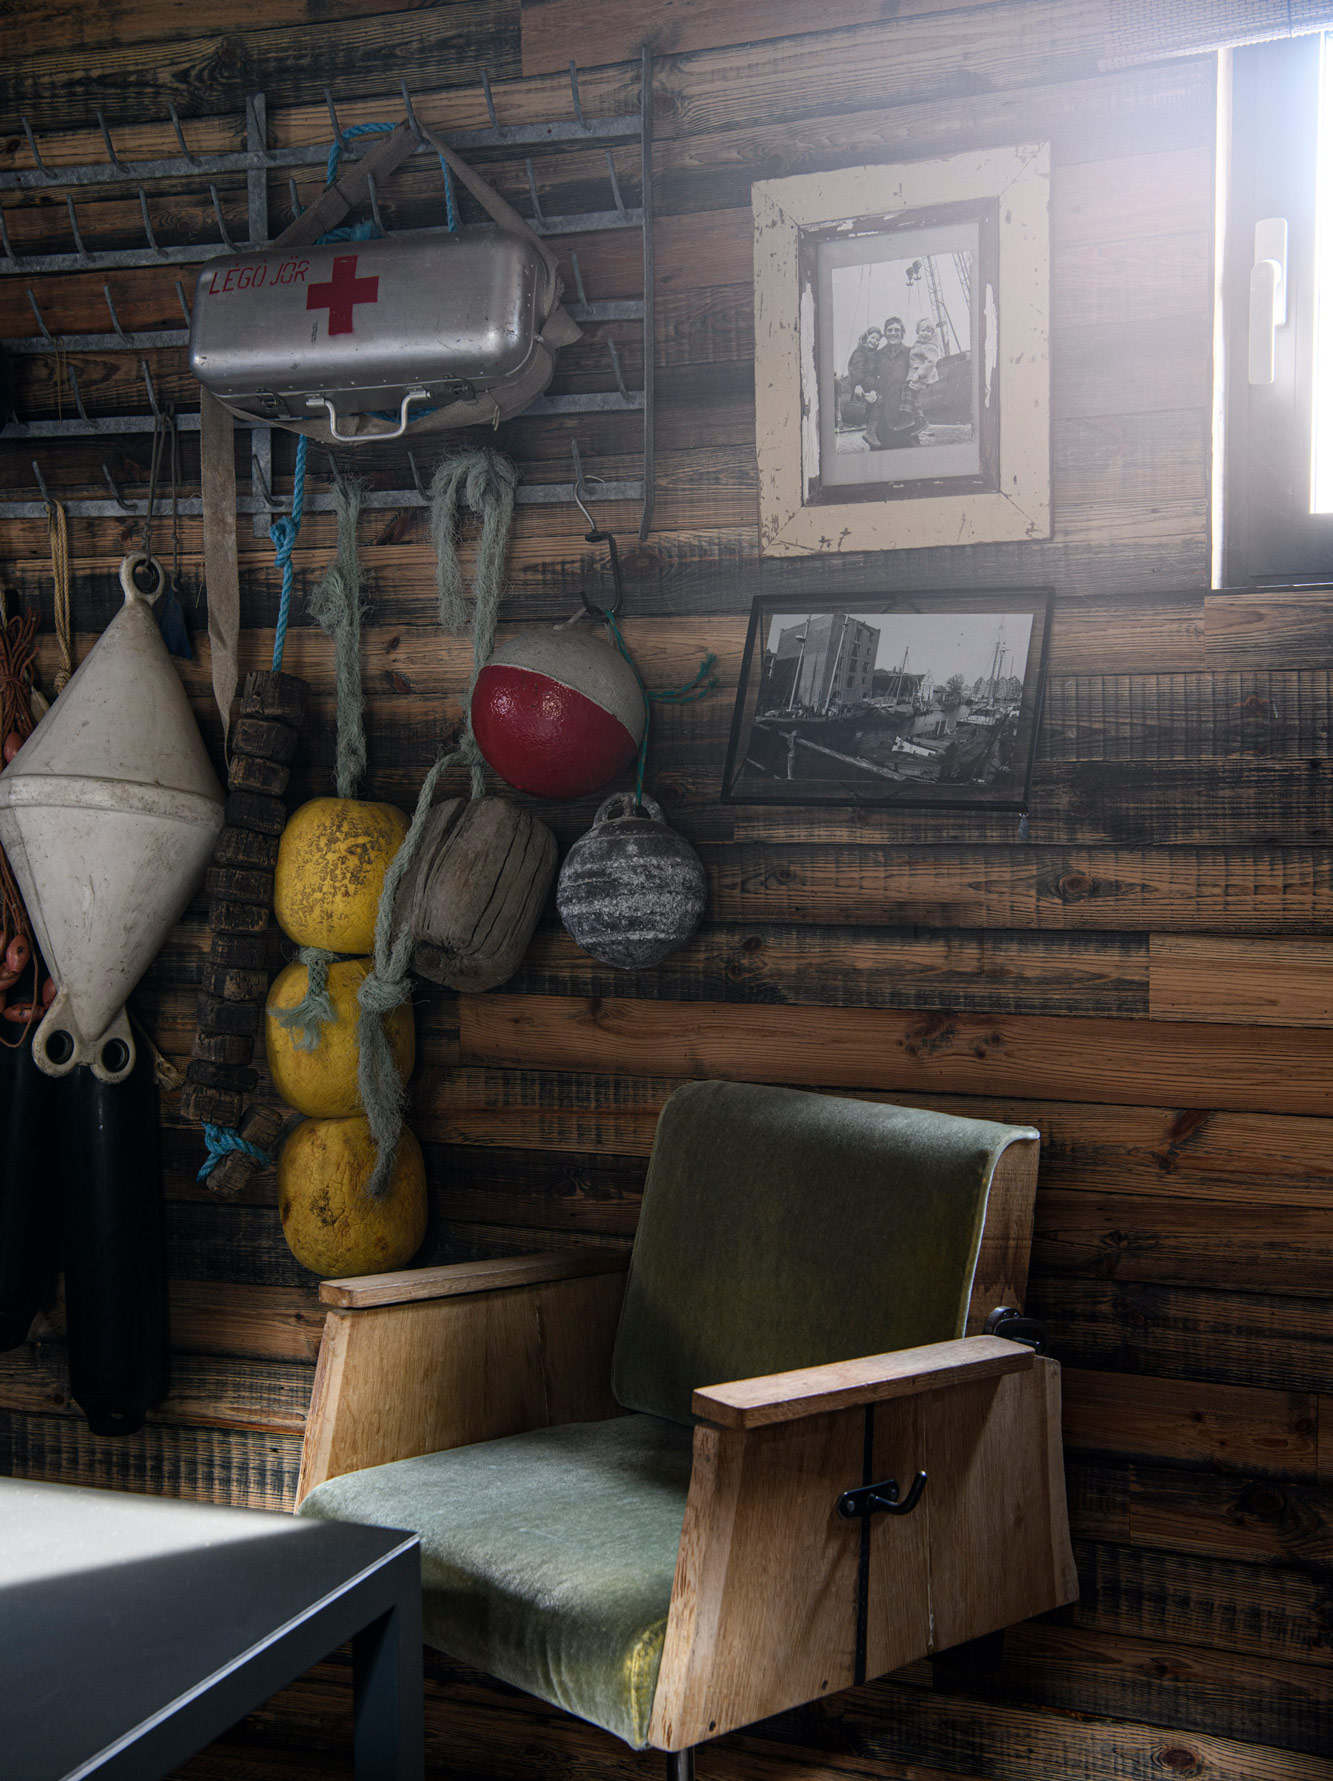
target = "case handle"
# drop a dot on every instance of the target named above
(361, 438)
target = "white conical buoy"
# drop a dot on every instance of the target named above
(108, 815)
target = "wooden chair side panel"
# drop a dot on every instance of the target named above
(1001, 1276)
(763, 1607)
(396, 1381)
(995, 1506)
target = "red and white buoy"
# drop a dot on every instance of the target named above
(558, 712)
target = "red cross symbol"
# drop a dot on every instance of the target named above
(342, 292)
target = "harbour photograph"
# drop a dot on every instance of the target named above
(864, 705)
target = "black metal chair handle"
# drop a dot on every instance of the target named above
(874, 1499)
(1005, 1321)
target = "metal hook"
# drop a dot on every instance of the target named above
(596, 535)
(184, 303)
(254, 126)
(180, 135)
(537, 216)
(574, 89)
(333, 118)
(74, 228)
(32, 144)
(265, 492)
(222, 221)
(578, 276)
(111, 154)
(116, 495)
(416, 475)
(116, 328)
(45, 331)
(412, 123)
(334, 472)
(615, 186)
(41, 484)
(78, 396)
(147, 221)
(490, 103)
(4, 237)
(374, 200)
(298, 209)
(615, 366)
(148, 385)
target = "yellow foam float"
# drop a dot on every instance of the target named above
(332, 1225)
(321, 1082)
(332, 859)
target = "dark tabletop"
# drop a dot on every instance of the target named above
(115, 1609)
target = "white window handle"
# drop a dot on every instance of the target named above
(1268, 296)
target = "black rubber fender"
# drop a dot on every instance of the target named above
(113, 1242)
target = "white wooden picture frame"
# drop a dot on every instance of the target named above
(978, 224)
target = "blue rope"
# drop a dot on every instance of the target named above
(221, 1141)
(284, 532)
(698, 687)
(335, 155)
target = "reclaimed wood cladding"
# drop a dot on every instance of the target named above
(1147, 977)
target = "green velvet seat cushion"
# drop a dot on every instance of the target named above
(547, 1558)
(783, 1229)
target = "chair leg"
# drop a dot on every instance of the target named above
(680, 1765)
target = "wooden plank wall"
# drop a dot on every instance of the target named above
(1146, 978)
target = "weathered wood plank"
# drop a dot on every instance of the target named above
(1263, 1521)
(1286, 713)
(1266, 629)
(1260, 1609)
(81, 28)
(555, 30)
(1285, 982)
(1249, 1338)
(202, 1464)
(447, 44)
(1249, 1159)
(1181, 1242)
(1233, 1428)
(863, 967)
(1253, 1699)
(203, 1391)
(1165, 891)
(1287, 1070)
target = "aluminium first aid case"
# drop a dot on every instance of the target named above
(393, 328)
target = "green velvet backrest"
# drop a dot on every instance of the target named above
(782, 1229)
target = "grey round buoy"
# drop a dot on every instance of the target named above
(631, 890)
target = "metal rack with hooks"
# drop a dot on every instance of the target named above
(257, 161)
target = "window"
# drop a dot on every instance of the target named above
(1277, 518)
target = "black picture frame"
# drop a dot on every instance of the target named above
(828, 710)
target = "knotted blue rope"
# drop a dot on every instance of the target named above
(284, 532)
(222, 1140)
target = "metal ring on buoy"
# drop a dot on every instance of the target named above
(136, 560)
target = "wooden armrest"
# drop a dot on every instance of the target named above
(809, 1391)
(359, 1292)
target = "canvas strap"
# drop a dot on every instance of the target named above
(221, 574)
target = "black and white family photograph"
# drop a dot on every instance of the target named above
(897, 370)
(858, 705)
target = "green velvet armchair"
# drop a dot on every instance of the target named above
(606, 1526)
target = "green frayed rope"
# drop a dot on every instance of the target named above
(335, 604)
(485, 482)
(305, 1020)
(702, 683)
